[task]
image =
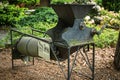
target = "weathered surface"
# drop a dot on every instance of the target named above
(70, 30)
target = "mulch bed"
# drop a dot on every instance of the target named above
(43, 70)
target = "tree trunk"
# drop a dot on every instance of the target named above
(117, 54)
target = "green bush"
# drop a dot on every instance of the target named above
(25, 2)
(110, 17)
(107, 38)
(103, 16)
(69, 1)
(99, 2)
(10, 14)
(42, 19)
(111, 5)
(61, 1)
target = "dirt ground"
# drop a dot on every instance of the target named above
(43, 70)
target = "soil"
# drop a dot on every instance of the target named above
(49, 70)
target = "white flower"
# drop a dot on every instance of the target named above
(87, 18)
(92, 21)
(92, 2)
(97, 7)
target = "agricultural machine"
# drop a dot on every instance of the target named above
(67, 37)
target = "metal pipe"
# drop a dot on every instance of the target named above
(93, 65)
(37, 30)
(68, 63)
(73, 64)
(33, 61)
(30, 35)
(52, 45)
(11, 48)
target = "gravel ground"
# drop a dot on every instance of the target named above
(43, 70)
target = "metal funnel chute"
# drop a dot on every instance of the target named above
(70, 17)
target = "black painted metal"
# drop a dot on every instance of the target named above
(68, 77)
(14, 30)
(69, 49)
(70, 67)
(15, 53)
(71, 34)
(12, 48)
(53, 52)
(69, 12)
(93, 65)
(70, 30)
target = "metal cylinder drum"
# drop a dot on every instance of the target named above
(33, 47)
(28, 46)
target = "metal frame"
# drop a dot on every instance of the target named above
(17, 31)
(70, 68)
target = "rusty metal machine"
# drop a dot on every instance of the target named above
(68, 36)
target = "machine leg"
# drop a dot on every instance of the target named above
(11, 48)
(68, 78)
(93, 65)
(33, 61)
(88, 47)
